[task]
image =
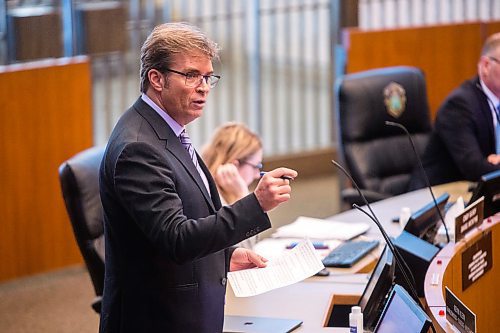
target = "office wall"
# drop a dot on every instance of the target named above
(45, 117)
(447, 54)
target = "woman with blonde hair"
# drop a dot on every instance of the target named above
(234, 158)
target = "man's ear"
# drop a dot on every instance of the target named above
(156, 79)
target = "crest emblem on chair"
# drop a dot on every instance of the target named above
(395, 99)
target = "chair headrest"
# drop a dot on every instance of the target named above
(368, 99)
(80, 184)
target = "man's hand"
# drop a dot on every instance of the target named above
(272, 189)
(244, 258)
(494, 159)
(229, 179)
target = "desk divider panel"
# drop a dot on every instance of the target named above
(45, 118)
(482, 296)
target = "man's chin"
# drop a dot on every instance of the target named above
(195, 114)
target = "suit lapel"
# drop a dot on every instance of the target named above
(486, 118)
(175, 147)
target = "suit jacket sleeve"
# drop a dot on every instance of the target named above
(150, 187)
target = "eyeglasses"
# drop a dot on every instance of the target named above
(257, 166)
(494, 59)
(194, 80)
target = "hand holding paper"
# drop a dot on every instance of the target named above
(292, 266)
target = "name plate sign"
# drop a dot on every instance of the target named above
(458, 314)
(469, 219)
(477, 260)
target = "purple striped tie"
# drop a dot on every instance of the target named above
(186, 142)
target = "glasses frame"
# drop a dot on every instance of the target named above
(257, 166)
(494, 59)
(211, 79)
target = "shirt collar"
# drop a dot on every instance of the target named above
(491, 96)
(169, 120)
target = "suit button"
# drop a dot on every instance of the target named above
(223, 281)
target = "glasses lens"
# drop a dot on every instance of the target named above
(193, 80)
(213, 80)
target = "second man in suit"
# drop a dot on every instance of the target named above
(465, 143)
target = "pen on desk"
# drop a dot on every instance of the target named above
(262, 173)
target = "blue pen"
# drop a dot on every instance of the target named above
(262, 173)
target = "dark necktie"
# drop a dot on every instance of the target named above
(187, 143)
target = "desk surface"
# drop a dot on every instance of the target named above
(310, 299)
(386, 210)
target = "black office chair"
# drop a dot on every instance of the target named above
(79, 177)
(379, 157)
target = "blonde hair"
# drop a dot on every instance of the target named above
(230, 142)
(169, 39)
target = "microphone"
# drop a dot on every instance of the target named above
(405, 271)
(421, 166)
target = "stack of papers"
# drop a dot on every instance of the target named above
(308, 227)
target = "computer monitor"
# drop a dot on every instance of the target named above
(402, 314)
(489, 187)
(377, 289)
(425, 222)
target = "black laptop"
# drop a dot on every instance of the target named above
(238, 324)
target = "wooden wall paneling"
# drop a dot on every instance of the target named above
(349, 10)
(447, 54)
(45, 118)
(491, 28)
(34, 33)
(102, 27)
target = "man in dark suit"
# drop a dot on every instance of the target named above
(465, 142)
(168, 240)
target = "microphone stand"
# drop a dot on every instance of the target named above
(405, 271)
(397, 256)
(390, 123)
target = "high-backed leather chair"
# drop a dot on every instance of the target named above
(79, 178)
(379, 157)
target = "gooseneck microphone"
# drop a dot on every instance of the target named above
(390, 123)
(400, 262)
(397, 256)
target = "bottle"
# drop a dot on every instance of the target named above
(356, 320)
(404, 216)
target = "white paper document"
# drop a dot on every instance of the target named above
(309, 227)
(292, 266)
